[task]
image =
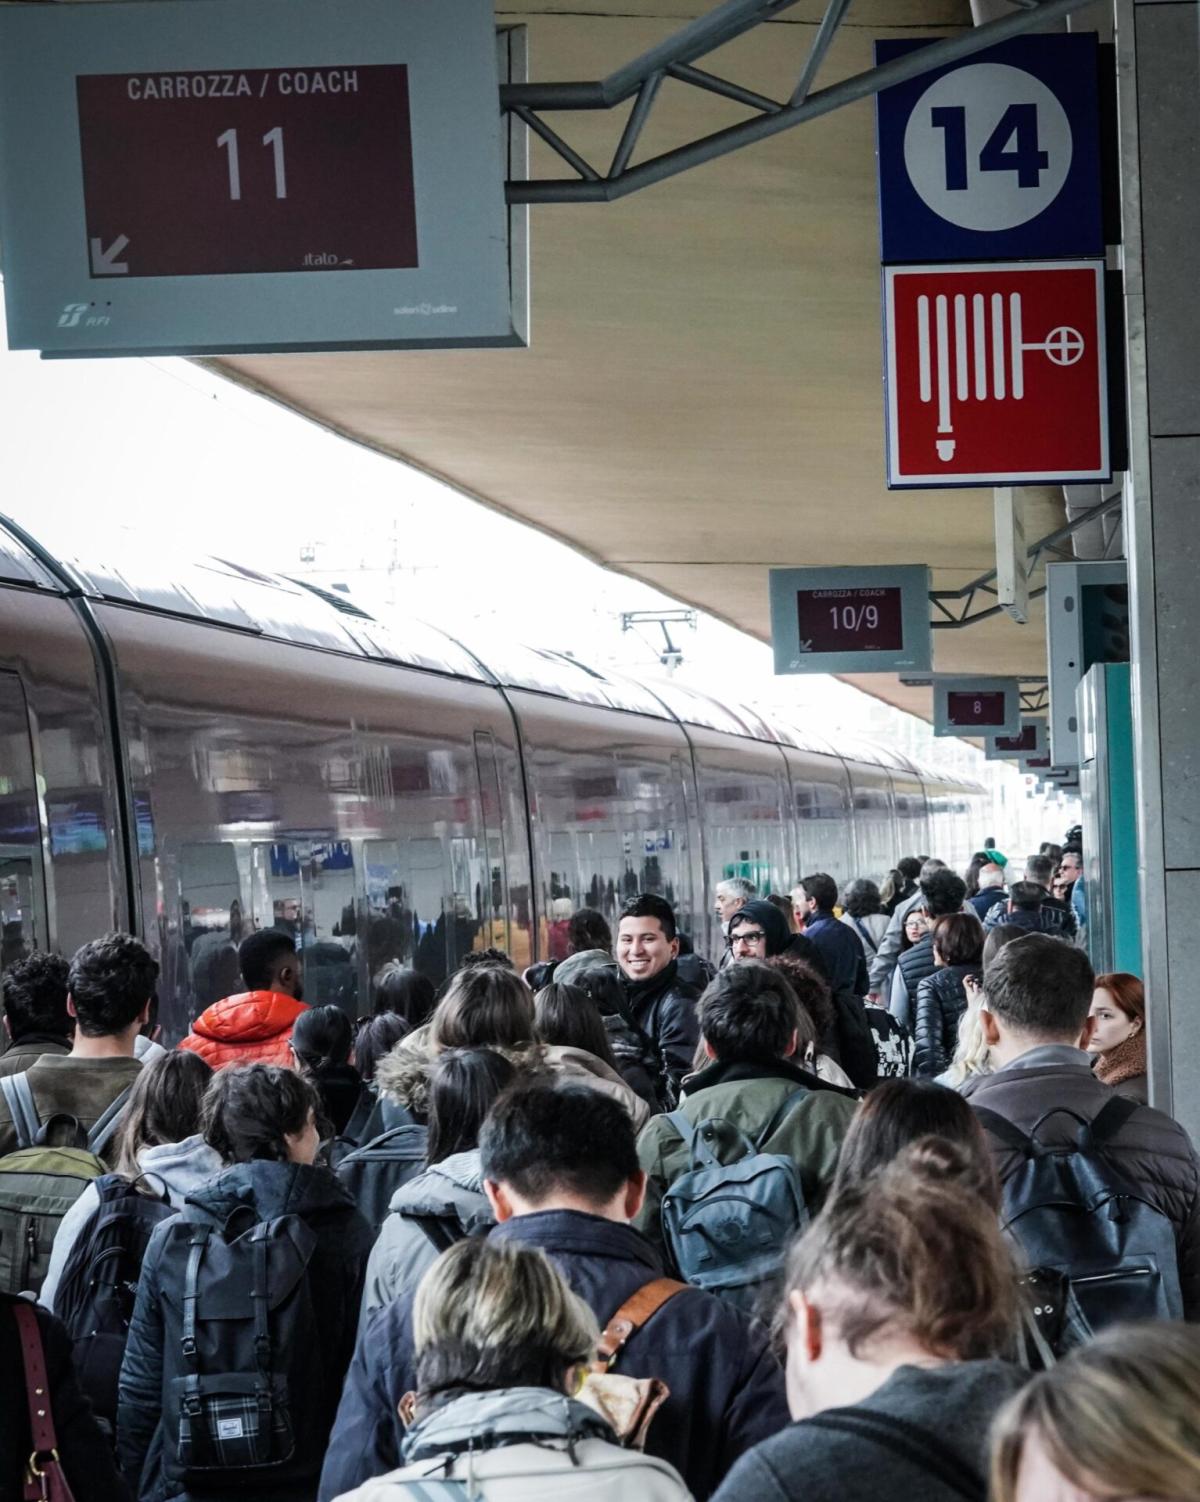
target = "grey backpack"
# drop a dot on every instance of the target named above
(728, 1225)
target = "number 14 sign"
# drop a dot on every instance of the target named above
(994, 158)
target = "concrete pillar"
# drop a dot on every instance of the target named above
(1158, 51)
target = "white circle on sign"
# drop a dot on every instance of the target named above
(988, 147)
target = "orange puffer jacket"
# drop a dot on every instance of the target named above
(252, 1028)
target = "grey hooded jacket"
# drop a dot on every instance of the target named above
(450, 1191)
(522, 1444)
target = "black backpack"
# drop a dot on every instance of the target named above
(373, 1172)
(1072, 1212)
(98, 1286)
(242, 1382)
(358, 1130)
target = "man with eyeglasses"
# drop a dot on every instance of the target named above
(759, 931)
(730, 896)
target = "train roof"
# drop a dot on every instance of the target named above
(231, 595)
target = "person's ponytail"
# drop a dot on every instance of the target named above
(322, 1037)
(914, 1249)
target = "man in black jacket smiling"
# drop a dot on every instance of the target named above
(560, 1168)
(662, 1005)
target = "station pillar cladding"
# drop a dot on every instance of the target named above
(1158, 55)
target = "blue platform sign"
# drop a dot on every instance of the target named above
(994, 158)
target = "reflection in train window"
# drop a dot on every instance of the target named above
(423, 903)
(212, 919)
(305, 887)
(22, 881)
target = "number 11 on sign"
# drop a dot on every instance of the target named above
(228, 140)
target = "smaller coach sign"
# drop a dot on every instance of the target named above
(976, 706)
(850, 620)
(996, 374)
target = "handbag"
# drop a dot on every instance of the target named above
(628, 1403)
(44, 1478)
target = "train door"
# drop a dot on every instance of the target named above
(23, 896)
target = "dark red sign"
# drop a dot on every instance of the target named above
(996, 374)
(968, 711)
(1036, 763)
(1026, 741)
(850, 620)
(279, 169)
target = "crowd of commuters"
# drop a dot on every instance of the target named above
(870, 1204)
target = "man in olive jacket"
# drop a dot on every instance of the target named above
(1038, 991)
(748, 1028)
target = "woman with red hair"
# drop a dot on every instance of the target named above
(1119, 1034)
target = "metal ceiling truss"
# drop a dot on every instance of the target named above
(675, 59)
(945, 601)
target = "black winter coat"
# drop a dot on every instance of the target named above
(335, 1281)
(727, 1389)
(911, 969)
(941, 1001)
(664, 1007)
(86, 1454)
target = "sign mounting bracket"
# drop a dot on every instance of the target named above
(674, 59)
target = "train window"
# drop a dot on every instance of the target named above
(212, 920)
(423, 902)
(306, 888)
(22, 878)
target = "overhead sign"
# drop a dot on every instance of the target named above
(1030, 740)
(976, 706)
(850, 620)
(995, 157)
(252, 175)
(1087, 622)
(996, 374)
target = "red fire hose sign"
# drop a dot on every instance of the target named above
(996, 374)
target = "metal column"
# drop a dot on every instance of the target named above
(1158, 51)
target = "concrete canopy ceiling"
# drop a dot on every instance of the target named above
(702, 398)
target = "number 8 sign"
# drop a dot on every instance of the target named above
(993, 158)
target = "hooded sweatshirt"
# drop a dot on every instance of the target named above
(522, 1444)
(450, 1192)
(251, 1028)
(172, 1168)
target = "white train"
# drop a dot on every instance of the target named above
(191, 751)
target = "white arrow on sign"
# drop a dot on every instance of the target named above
(104, 262)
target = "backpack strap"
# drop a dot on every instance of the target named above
(684, 1127)
(780, 1116)
(640, 1306)
(921, 1447)
(260, 1297)
(436, 1231)
(102, 1131)
(197, 1243)
(1003, 1129)
(697, 1139)
(1109, 1120)
(18, 1096)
